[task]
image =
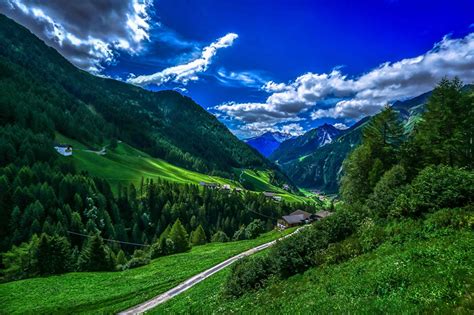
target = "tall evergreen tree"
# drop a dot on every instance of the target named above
(94, 256)
(180, 237)
(198, 236)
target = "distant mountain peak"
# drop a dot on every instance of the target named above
(268, 142)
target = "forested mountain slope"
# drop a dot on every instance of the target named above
(321, 167)
(42, 91)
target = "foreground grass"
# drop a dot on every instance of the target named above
(109, 292)
(428, 275)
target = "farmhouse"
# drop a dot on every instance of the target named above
(295, 218)
(64, 149)
(209, 185)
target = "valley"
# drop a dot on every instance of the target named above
(186, 157)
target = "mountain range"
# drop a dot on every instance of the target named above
(314, 159)
(268, 142)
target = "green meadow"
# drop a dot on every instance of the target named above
(125, 165)
(110, 292)
(432, 273)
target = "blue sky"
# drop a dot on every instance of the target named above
(268, 65)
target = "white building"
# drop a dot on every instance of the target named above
(64, 149)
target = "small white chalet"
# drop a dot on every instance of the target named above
(64, 149)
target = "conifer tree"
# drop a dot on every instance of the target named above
(180, 237)
(198, 236)
(94, 256)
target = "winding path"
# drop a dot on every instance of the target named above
(148, 305)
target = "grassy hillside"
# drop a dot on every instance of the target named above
(125, 165)
(423, 269)
(109, 292)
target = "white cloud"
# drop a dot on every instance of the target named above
(243, 78)
(358, 96)
(89, 33)
(189, 71)
(340, 126)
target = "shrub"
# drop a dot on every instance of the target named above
(21, 261)
(386, 191)
(336, 253)
(254, 229)
(140, 258)
(248, 274)
(239, 235)
(370, 235)
(434, 188)
(457, 218)
(220, 237)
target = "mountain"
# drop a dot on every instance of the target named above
(41, 91)
(268, 142)
(321, 168)
(306, 143)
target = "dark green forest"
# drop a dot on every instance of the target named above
(397, 189)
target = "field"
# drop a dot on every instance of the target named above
(125, 164)
(426, 275)
(108, 292)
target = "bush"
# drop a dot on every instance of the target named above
(386, 191)
(370, 235)
(20, 262)
(248, 274)
(457, 218)
(220, 237)
(239, 235)
(254, 229)
(140, 258)
(436, 187)
(336, 253)
(164, 246)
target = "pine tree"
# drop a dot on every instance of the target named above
(53, 254)
(180, 237)
(94, 256)
(198, 236)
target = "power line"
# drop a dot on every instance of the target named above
(263, 215)
(108, 239)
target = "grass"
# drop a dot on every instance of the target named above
(259, 180)
(109, 292)
(426, 275)
(125, 165)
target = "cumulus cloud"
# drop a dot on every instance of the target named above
(359, 96)
(340, 126)
(87, 32)
(189, 71)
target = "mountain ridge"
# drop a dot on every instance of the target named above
(268, 142)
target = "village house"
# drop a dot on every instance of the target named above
(268, 194)
(226, 187)
(64, 149)
(300, 217)
(295, 218)
(209, 185)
